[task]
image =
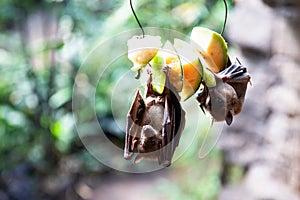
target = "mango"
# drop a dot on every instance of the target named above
(192, 68)
(173, 62)
(142, 49)
(212, 47)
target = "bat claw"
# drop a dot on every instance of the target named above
(128, 155)
(138, 74)
(166, 163)
(202, 106)
(235, 70)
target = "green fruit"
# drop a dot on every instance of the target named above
(158, 76)
(208, 76)
(214, 47)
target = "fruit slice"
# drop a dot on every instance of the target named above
(214, 47)
(142, 49)
(158, 76)
(208, 77)
(192, 68)
(172, 60)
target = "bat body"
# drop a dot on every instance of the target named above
(154, 125)
(227, 97)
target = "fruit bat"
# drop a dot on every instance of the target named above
(227, 97)
(154, 125)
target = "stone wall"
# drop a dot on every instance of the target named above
(265, 138)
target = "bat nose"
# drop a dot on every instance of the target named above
(141, 148)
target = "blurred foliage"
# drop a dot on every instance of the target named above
(43, 43)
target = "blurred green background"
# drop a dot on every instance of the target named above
(42, 45)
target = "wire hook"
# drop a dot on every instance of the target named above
(225, 20)
(143, 32)
(136, 18)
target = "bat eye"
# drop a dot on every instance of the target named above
(152, 141)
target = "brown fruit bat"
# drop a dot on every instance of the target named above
(227, 97)
(154, 125)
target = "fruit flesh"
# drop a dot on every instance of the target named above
(141, 49)
(214, 47)
(192, 79)
(187, 65)
(141, 58)
(173, 62)
(192, 68)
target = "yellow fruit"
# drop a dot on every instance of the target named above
(141, 58)
(192, 68)
(173, 62)
(212, 47)
(142, 49)
(210, 63)
(192, 79)
(175, 75)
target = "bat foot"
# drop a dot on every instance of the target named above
(138, 74)
(235, 70)
(166, 163)
(128, 155)
(202, 106)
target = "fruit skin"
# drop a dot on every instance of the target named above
(214, 47)
(175, 68)
(158, 76)
(207, 75)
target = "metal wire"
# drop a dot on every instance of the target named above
(225, 20)
(143, 32)
(136, 18)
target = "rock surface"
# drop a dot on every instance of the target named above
(265, 137)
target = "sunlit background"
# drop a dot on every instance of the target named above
(43, 44)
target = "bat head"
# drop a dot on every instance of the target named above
(150, 140)
(149, 144)
(222, 102)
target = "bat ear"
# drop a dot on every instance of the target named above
(229, 118)
(137, 108)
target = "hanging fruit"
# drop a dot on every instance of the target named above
(177, 71)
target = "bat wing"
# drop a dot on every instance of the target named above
(173, 124)
(240, 86)
(237, 77)
(134, 125)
